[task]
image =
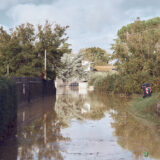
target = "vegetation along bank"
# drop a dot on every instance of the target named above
(136, 53)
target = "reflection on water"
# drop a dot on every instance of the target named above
(135, 136)
(75, 127)
(9, 149)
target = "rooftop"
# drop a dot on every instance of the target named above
(104, 68)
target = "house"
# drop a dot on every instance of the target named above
(105, 69)
(87, 65)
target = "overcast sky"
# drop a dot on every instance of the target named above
(92, 22)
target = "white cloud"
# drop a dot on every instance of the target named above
(92, 22)
(9, 3)
(5, 3)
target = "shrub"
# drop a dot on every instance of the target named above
(126, 84)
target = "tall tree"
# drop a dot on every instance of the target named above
(96, 55)
(23, 49)
(72, 68)
(54, 40)
(137, 51)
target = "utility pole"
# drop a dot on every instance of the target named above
(7, 69)
(45, 64)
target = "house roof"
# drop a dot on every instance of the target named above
(104, 68)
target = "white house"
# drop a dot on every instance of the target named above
(87, 64)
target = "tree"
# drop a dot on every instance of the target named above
(54, 40)
(137, 52)
(18, 52)
(96, 55)
(72, 67)
(23, 49)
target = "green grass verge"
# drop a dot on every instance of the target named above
(144, 109)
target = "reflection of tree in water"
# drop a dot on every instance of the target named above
(9, 149)
(35, 141)
(98, 107)
(131, 134)
(68, 107)
(101, 103)
(92, 106)
(134, 135)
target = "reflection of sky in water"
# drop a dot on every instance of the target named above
(92, 140)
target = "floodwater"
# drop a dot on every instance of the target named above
(76, 126)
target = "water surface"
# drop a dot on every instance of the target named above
(75, 126)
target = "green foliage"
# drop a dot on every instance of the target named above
(117, 83)
(96, 55)
(23, 49)
(104, 82)
(8, 105)
(72, 68)
(96, 79)
(137, 55)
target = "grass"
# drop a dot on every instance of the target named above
(144, 109)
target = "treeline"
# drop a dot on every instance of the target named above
(22, 49)
(22, 55)
(137, 55)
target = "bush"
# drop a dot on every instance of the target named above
(98, 80)
(8, 105)
(126, 84)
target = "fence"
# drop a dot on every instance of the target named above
(30, 88)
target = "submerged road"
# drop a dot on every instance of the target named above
(76, 126)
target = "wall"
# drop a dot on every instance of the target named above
(30, 88)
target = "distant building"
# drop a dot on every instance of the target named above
(87, 65)
(105, 69)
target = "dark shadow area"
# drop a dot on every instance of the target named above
(9, 146)
(28, 130)
(9, 149)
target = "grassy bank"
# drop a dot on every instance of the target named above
(144, 108)
(8, 106)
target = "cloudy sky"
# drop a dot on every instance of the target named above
(92, 22)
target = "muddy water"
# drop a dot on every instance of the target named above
(80, 127)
